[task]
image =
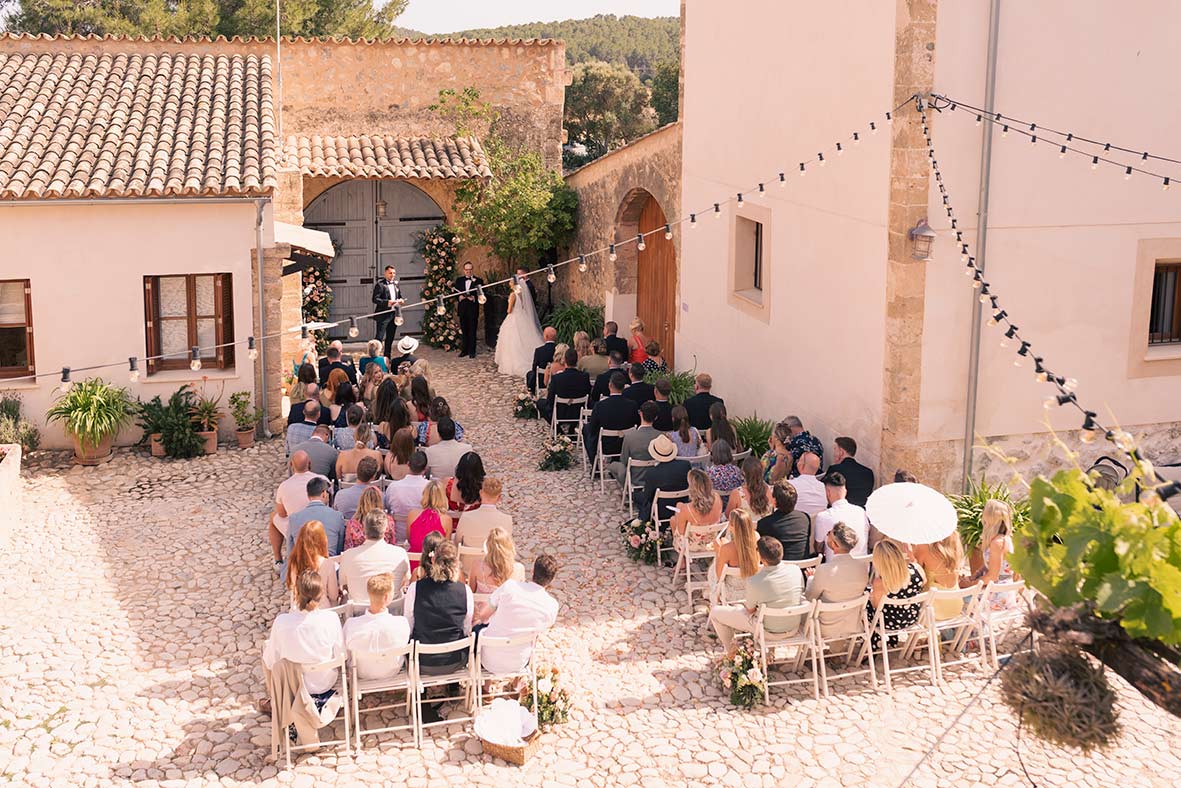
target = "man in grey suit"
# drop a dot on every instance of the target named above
(635, 446)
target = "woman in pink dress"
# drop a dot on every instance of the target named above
(431, 517)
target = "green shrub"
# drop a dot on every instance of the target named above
(570, 317)
(754, 434)
(19, 431)
(93, 411)
(178, 433)
(682, 383)
(10, 406)
(970, 505)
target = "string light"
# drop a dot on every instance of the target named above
(66, 383)
(998, 317)
(692, 221)
(1058, 399)
(803, 170)
(582, 264)
(873, 127)
(610, 255)
(668, 233)
(251, 350)
(1005, 130)
(398, 319)
(717, 211)
(1012, 332)
(820, 156)
(1165, 185)
(1094, 162)
(303, 331)
(1062, 152)
(640, 245)
(1039, 370)
(441, 309)
(1069, 384)
(353, 330)
(840, 150)
(782, 180)
(1022, 352)
(1128, 173)
(979, 120)
(740, 202)
(551, 277)
(133, 369)
(762, 189)
(480, 297)
(1090, 428)
(195, 358)
(856, 138)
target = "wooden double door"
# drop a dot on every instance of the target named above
(656, 280)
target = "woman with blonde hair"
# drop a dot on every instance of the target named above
(941, 562)
(397, 462)
(582, 343)
(996, 544)
(354, 530)
(555, 366)
(895, 577)
(430, 516)
(310, 553)
(739, 550)
(704, 508)
(303, 389)
(755, 494)
(498, 565)
(635, 346)
(370, 381)
(363, 443)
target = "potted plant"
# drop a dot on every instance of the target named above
(152, 415)
(205, 414)
(246, 418)
(93, 412)
(178, 435)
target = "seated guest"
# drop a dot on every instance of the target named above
(567, 382)
(725, 475)
(655, 361)
(431, 515)
(463, 489)
(354, 530)
(990, 559)
(894, 577)
(755, 494)
(721, 428)
(941, 562)
(778, 462)
(670, 474)
(661, 391)
(802, 441)
(613, 412)
(542, 357)
(333, 360)
(308, 637)
(739, 549)
(903, 475)
(428, 431)
(345, 438)
(366, 478)
(310, 554)
(601, 387)
(406, 348)
(346, 397)
(637, 343)
(839, 511)
(376, 631)
(700, 403)
(811, 498)
(581, 344)
(420, 398)
(683, 434)
(595, 362)
(370, 382)
(390, 412)
(703, 508)
(776, 585)
(350, 459)
(372, 356)
(443, 456)
(374, 556)
(839, 579)
(858, 478)
(498, 566)
(290, 497)
(337, 380)
(405, 494)
(321, 452)
(555, 366)
(303, 389)
(432, 540)
(318, 510)
(299, 432)
(439, 609)
(638, 391)
(520, 608)
(635, 447)
(790, 526)
(397, 462)
(614, 343)
(475, 525)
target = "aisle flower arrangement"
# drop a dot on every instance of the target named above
(317, 301)
(524, 406)
(558, 455)
(641, 538)
(741, 675)
(553, 699)
(439, 247)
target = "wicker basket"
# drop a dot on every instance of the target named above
(517, 755)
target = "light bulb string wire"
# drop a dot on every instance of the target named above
(434, 301)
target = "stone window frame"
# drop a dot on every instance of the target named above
(1145, 360)
(753, 302)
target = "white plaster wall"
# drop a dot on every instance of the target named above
(1062, 239)
(766, 89)
(86, 264)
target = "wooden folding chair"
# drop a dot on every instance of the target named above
(629, 484)
(855, 642)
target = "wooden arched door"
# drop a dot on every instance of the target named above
(656, 279)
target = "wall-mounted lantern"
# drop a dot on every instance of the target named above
(921, 238)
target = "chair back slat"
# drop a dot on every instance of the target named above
(445, 648)
(807, 563)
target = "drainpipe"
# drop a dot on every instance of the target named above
(994, 15)
(260, 206)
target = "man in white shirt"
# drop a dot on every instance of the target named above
(307, 637)
(811, 498)
(374, 556)
(376, 631)
(443, 456)
(406, 493)
(290, 497)
(839, 511)
(519, 608)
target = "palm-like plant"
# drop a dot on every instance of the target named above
(681, 382)
(93, 411)
(754, 434)
(970, 505)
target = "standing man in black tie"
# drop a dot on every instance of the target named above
(386, 295)
(469, 309)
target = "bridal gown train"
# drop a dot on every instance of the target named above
(520, 335)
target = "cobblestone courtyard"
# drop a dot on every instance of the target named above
(138, 596)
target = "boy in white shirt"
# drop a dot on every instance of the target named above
(376, 631)
(520, 608)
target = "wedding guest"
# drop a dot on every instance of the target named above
(439, 610)
(903, 475)
(299, 432)
(321, 452)
(839, 511)
(397, 462)
(655, 361)
(317, 509)
(894, 577)
(670, 474)
(332, 361)
(839, 579)
(370, 382)
(389, 412)
(721, 428)
(661, 391)
(704, 507)
(374, 556)
(406, 347)
(613, 412)
(520, 608)
(601, 388)
(739, 549)
(498, 566)
(347, 498)
(431, 515)
(724, 474)
(369, 635)
(291, 496)
(406, 493)
(420, 399)
(475, 525)
(775, 585)
(555, 366)
(463, 489)
(790, 526)
(941, 562)
(614, 343)
(310, 636)
(443, 456)
(432, 540)
(596, 362)
(542, 357)
(569, 383)
(858, 479)
(582, 344)
(638, 391)
(778, 462)
(303, 389)
(635, 447)
(428, 431)
(344, 438)
(337, 379)
(754, 494)
(802, 441)
(310, 554)
(811, 497)
(991, 559)
(372, 356)
(635, 346)
(346, 398)
(700, 404)
(354, 530)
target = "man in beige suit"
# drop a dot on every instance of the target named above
(474, 525)
(839, 579)
(443, 456)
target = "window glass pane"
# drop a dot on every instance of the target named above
(14, 348)
(207, 336)
(173, 296)
(174, 338)
(12, 302)
(205, 296)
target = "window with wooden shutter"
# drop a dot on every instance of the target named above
(16, 328)
(184, 310)
(1164, 321)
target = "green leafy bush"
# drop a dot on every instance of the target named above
(682, 383)
(14, 428)
(178, 433)
(754, 434)
(10, 405)
(970, 505)
(570, 317)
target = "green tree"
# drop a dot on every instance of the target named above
(606, 106)
(666, 92)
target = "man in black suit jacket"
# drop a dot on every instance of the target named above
(542, 356)
(664, 409)
(468, 309)
(859, 479)
(610, 330)
(386, 295)
(569, 383)
(332, 360)
(638, 392)
(669, 474)
(699, 404)
(599, 390)
(613, 412)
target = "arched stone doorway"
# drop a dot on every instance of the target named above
(651, 273)
(367, 243)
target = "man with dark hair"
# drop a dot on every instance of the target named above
(664, 409)
(386, 295)
(569, 383)
(542, 356)
(903, 475)
(347, 499)
(839, 511)
(614, 342)
(702, 400)
(520, 608)
(792, 528)
(322, 453)
(345, 438)
(638, 392)
(775, 585)
(858, 478)
(333, 359)
(613, 412)
(402, 495)
(614, 364)
(635, 447)
(317, 509)
(840, 579)
(300, 431)
(443, 456)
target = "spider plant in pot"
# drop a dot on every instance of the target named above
(93, 412)
(205, 414)
(246, 418)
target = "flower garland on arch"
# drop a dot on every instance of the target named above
(439, 247)
(317, 300)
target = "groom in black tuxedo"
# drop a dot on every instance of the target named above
(469, 310)
(386, 294)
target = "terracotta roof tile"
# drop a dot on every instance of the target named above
(129, 124)
(388, 157)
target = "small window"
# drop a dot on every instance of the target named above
(16, 328)
(1164, 320)
(748, 257)
(189, 310)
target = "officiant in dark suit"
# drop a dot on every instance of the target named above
(386, 295)
(468, 309)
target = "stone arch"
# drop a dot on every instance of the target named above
(645, 280)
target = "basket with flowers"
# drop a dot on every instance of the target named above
(524, 406)
(558, 454)
(553, 699)
(741, 674)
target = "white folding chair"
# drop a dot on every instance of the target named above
(345, 485)
(866, 559)
(997, 624)
(480, 599)
(740, 456)
(802, 640)
(807, 563)
(663, 524)
(853, 642)
(699, 460)
(962, 626)
(402, 680)
(342, 687)
(629, 484)
(343, 610)
(720, 595)
(467, 675)
(528, 672)
(908, 637)
(470, 558)
(687, 553)
(539, 384)
(556, 423)
(600, 463)
(583, 417)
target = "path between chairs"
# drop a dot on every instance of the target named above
(138, 595)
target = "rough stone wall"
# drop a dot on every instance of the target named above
(272, 354)
(605, 187)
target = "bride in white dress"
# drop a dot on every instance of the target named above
(520, 334)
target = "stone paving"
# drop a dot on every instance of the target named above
(139, 594)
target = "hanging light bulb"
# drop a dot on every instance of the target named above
(194, 358)
(550, 276)
(1040, 373)
(1070, 384)
(740, 202)
(984, 294)
(1022, 352)
(480, 297)
(1090, 428)
(782, 180)
(970, 267)
(611, 253)
(889, 117)
(977, 280)
(133, 369)
(1165, 186)
(803, 170)
(303, 331)
(441, 308)
(251, 350)
(856, 138)
(1094, 162)
(820, 157)
(353, 330)
(66, 383)
(963, 249)
(979, 120)
(717, 211)
(1062, 152)
(668, 232)
(692, 221)
(1049, 402)
(1128, 173)
(398, 319)
(873, 127)
(998, 317)
(640, 245)
(582, 264)
(840, 150)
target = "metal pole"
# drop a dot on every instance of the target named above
(994, 19)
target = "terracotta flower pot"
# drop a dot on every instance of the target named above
(245, 438)
(155, 443)
(92, 455)
(210, 439)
